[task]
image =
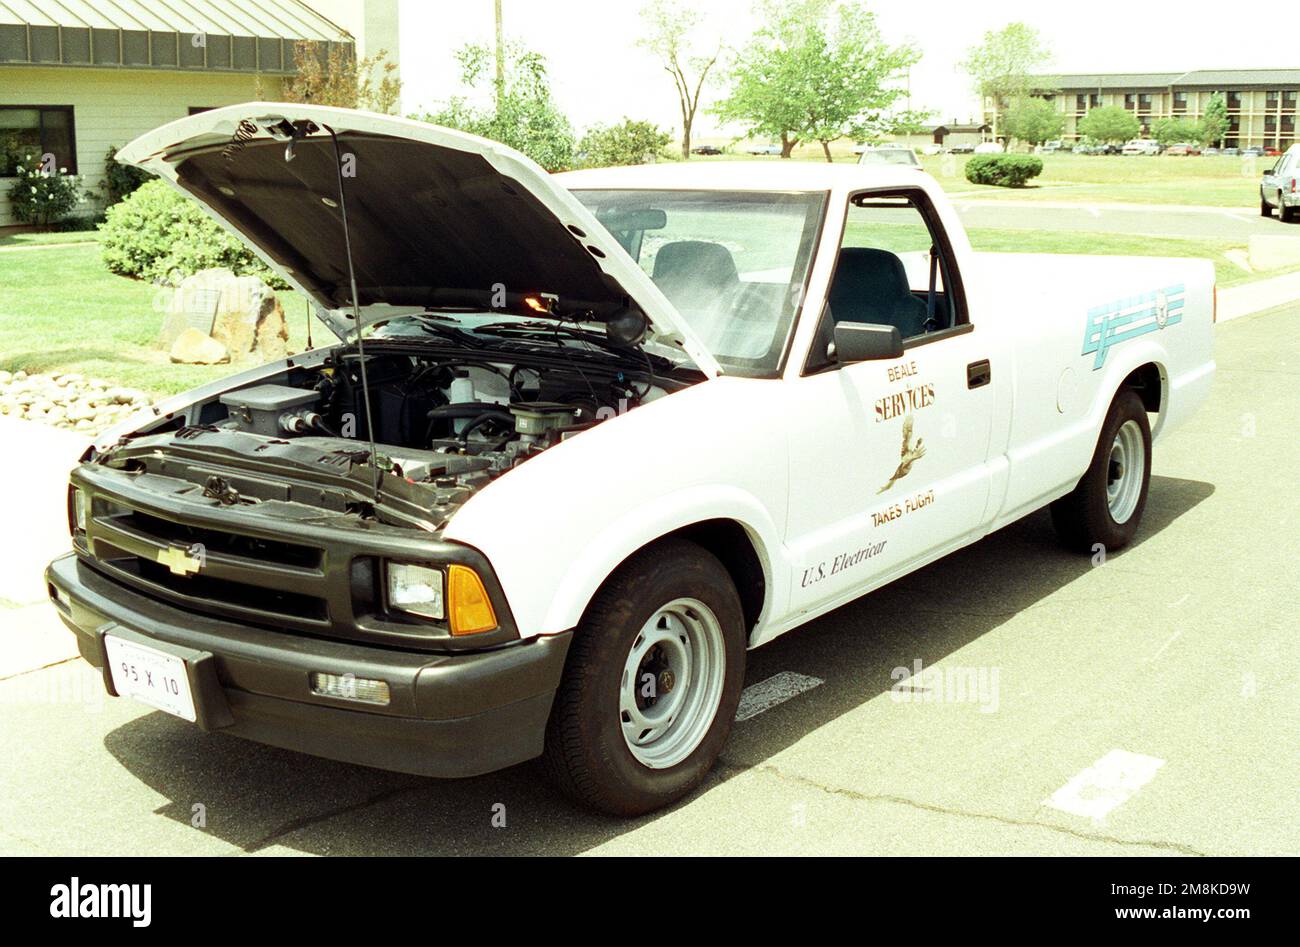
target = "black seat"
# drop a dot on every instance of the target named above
(694, 273)
(870, 285)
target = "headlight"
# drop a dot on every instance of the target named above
(415, 589)
(77, 510)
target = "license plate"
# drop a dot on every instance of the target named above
(151, 676)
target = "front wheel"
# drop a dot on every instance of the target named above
(1106, 506)
(651, 684)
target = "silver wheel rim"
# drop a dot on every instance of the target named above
(1124, 471)
(672, 683)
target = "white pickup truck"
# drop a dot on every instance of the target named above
(602, 433)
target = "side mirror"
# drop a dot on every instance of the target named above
(864, 342)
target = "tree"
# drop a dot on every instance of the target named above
(1109, 123)
(523, 113)
(818, 72)
(1034, 121)
(628, 143)
(669, 24)
(1002, 66)
(1174, 131)
(1214, 123)
(340, 80)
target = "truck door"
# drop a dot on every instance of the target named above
(889, 457)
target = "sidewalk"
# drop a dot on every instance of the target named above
(35, 482)
(1258, 296)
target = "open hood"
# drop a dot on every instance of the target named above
(436, 217)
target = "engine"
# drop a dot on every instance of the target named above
(442, 428)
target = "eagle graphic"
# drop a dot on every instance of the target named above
(909, 454)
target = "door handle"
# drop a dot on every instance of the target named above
(978, 374)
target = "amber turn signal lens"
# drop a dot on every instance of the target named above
(469, 609)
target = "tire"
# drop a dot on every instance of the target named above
(1284, 213)
(1104, 508)
(672, 588)
(1265, 209)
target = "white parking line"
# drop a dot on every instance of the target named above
(777, 689)
(1107, 783)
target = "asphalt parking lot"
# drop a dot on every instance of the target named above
(1146, 705)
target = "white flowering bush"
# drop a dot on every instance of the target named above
(40, 196)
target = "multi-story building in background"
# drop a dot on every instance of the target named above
(1262, 103)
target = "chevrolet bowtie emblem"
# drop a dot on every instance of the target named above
(179, 561)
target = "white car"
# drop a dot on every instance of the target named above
(898, 155)
(604, 432)
(1141, 146)
(989, 148)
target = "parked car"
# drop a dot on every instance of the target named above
(1183, 149)
(890, 154)
(990, 148)
(1278, 187)
(549, 516)
(962, 150)
(1233, 152)
(709, 150)
(763, 150)
(1211, 150)
(1254, 151)
(1141, 146)
(1051, 147)
(1271, 152)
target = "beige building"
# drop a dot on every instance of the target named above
(1261, 102)
(77, 79)
(951, 135)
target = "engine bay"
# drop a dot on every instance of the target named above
(444, 425)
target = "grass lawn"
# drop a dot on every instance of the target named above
(35, 238)
(61, 310)
(1226, 272)
(1214, 181)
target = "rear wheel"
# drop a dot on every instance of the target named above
(1284, 213)
(1265, 209)
(1106, 506)
(651, 684)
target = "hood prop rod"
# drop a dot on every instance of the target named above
(375, 474)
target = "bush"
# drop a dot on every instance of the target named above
(120, 179)
(156, 234)
(1003, 170)
(628, 143)
(41, 196)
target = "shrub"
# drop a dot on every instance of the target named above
(42, 196)
(156, 234)
(1003, 170)
(120, 179)
(627, 143)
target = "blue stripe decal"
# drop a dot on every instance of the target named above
(1129, 318)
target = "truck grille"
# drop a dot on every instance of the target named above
(233, 575)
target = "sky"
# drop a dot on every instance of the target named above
(600, 75)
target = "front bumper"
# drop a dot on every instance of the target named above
(450, 715)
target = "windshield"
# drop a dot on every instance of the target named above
(733, 263)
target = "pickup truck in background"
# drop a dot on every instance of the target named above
(585, 439)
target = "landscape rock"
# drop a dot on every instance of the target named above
(67, 400)
(241, 312)
(192, 347)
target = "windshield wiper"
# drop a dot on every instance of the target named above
(557, 334)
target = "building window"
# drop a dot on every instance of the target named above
(1094, 100)
(1234, 101)
(1288, 123)
(1270, 99)
(1270, 123)
(1288, 100)
(1144, 101)
(1080, 103)
(1130, 100)
(1180, 101)
(38, 130)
